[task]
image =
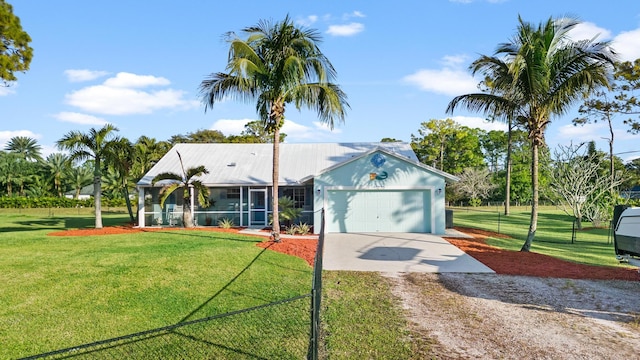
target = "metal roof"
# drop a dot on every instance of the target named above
(251, 164)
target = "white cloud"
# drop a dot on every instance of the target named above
(446, 81)
(129, 80)
(480, 123)
(345, 30)
(308, 21)
(230, 127)
(120, 95)
(79, 118)
(295, 132)
(588, 31)
(586, 132)
(6, 135)
(627, 44)
(7, 90)
(80, 75)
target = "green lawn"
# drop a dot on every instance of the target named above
(592, 246)
(363, 320)
(63, 291)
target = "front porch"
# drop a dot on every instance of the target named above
(245, 206)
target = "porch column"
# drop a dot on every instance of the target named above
(141, 207)
(193, 219)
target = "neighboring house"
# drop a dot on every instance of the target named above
(85, 193)
(363, 187)
(633, 193)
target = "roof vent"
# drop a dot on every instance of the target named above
(231, 164)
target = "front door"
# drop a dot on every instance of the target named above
(257, 207)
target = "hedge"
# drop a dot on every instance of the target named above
(53, 202)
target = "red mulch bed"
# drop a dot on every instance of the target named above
(533, 264)
(501, 261)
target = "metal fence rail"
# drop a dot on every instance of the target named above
(277, 330)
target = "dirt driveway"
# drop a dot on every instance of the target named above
(562, 313)
(490, 316)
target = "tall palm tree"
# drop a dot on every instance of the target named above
(25, 146)
(57, 165)
(95, 145)
(277, 64)
(188, 183)
(540, 73)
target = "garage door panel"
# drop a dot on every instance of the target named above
(378, 210)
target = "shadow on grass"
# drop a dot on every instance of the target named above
(222, 289)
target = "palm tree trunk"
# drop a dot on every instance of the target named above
(97, 193)
(533, 223)
(275, 229)
(507, 190)
(125, 192)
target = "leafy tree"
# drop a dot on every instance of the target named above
(277, 64)
(26, 147)
(627, 82)
(185, 181)
(96, 145)
(447, 145)
(200, 136)
(57, 165)
(8, 169)
(255, 132)
(494, 146)
(540, 73)
(577, 181)
(601, 106)
(15, 52)
(475, 184)
(387, 139)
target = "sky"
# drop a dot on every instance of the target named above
(138, 64)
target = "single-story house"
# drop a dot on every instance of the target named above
(362, 187)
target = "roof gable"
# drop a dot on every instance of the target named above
(416, 163)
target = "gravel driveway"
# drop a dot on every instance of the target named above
(489, 316)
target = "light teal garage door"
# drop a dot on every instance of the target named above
(378, 211)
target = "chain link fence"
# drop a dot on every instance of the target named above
(285, 329)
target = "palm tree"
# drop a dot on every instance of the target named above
(540, 73)
(277, 64)
(95, 145)
(58, 165)
(147, 151)
(121, 160)
(79, 177)
(188, 183)
(25, 146)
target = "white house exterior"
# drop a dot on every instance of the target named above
(363, 187)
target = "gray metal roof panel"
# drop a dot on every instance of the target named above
(252, 163)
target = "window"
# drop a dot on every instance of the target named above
(298, 196)
(233, 193)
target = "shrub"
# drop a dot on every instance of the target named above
(225, 223)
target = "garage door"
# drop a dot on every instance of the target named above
(378, 211)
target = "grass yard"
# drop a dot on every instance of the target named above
(59, 292)
(592, 246)
(363, 320)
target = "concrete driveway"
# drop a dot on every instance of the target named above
(396, 252)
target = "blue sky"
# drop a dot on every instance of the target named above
(138, 64)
